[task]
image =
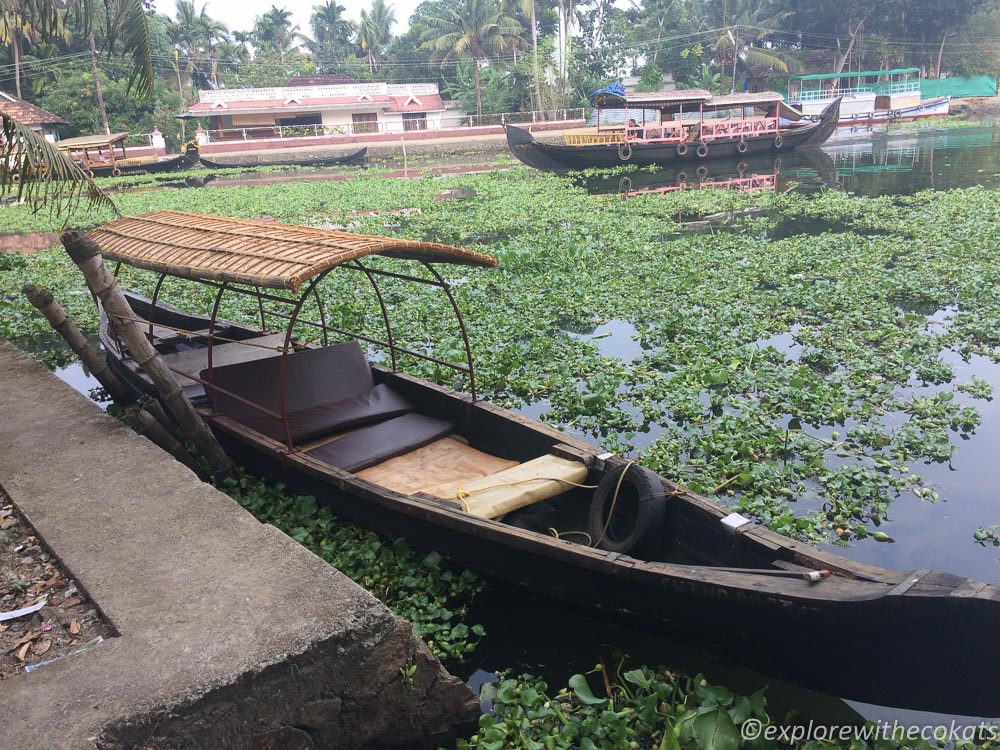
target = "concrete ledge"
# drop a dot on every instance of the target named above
(231, 634)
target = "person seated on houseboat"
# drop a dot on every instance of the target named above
(634, 130)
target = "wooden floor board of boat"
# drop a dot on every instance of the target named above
(193, 361)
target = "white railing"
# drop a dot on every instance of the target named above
(345, 90)
(860, 91)
(447, 122)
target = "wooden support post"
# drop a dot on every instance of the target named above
(86, 253)
(147, 425)
(151, 422)
(46, 304)
(43, 300)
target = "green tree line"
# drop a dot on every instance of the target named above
(493, 55)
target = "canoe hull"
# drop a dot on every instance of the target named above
(726, 588)
(356, 158)
(172, 164)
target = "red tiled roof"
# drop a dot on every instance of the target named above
(25, 112)
(424, 103)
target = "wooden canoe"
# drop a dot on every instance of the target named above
(695, 567)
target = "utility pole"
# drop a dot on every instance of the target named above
(180, 89)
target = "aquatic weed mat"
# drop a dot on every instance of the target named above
(802, 365)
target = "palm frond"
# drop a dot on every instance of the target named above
(126, 22)
(38, 173)
(752, 57)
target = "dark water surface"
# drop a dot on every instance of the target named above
(532, 635)
(863, 161)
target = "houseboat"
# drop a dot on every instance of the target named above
(671, 127)
(866, 96)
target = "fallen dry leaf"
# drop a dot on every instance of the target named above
(24, 651)
(74, 627)
(71, 602)
(53, 580)
(24, 639)
(41, 647)
(2, 628)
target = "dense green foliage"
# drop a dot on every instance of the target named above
(657, 709)
(416, 585)
(551, 55)
(796, 366)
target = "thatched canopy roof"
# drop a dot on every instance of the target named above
(253, 253)
(91, 141)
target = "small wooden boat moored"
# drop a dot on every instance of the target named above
(688, 126)
(105, 156)
(352, 159)
(509, 495)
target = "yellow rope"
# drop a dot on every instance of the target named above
(559, 535)
(461, 494)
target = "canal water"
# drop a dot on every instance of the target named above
(526, 634)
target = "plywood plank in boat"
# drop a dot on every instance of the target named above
(435, 468)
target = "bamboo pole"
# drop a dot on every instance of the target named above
(147, 425)
(86, 253)
(150, 422)
(44, 301)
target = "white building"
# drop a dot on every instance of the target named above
(340, 109)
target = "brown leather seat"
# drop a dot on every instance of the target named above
(326, 390)
(379, 442)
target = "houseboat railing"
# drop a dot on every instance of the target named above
(898, 87)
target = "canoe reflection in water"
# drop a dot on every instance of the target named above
(743, 183)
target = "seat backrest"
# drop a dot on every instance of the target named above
(312, 377)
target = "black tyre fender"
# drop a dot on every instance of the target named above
(702, 151)
(702, 172)
(682, 149)
(742, 147)
(777, 142)
(639, 510)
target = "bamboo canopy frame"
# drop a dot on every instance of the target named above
(245, 257)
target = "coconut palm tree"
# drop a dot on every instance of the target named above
(211, 34)
(375, 32)
(476, 28)
(329, 26)
(17, 27)
(529, 8)
(744, 23)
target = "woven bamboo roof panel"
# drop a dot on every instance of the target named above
(254, 253)
(90, 141)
